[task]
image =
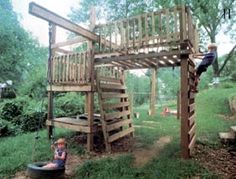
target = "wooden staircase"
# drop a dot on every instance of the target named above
(228, 136)
(114, 108)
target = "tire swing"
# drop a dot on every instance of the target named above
(36, 171)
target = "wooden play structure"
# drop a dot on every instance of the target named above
(165, 38)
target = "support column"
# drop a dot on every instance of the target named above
(52, 40)
(90, 104)
(184, 108)
(153, 92)
(178, 105)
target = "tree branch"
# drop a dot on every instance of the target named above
(227, 58)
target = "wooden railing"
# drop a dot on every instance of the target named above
(149, 29)
(109, 71)
(72, 68)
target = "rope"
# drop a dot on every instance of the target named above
(48, 81)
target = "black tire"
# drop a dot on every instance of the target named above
(36, 171)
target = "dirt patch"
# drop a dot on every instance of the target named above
(143, 156)
(221, 161)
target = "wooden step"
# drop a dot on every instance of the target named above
(120, 134)
(227, 136)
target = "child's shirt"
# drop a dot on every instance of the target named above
(209, 58)
(60, 162)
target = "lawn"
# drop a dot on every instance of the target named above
(211, 105)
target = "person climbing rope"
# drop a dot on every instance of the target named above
(60, 154)
(207, 60)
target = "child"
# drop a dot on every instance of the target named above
(59, 154)
(207, 60)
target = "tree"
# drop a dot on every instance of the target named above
(19, 52)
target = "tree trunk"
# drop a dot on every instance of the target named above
(215, 65)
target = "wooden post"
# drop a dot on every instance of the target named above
(183, 26)
(184, 105)
(52, 40)
(90, 95)
(153, 92)
(178, 105)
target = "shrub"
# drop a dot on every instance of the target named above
(69, 104)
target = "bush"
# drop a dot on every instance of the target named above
(69, 104)
(23, 113)
(227, 85)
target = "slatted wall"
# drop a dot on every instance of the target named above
(114, 109)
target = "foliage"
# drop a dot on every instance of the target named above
(35, 83)
(18, 50)
(69, 104)
(18, 151)
(24, 113)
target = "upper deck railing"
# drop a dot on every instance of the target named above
(161, 28)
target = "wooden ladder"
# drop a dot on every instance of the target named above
(114, 108)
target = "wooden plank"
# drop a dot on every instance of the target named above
(141, 56)
(112, 86)
(167, 26)
(74, 127)
(192, 131)
(233, 128)
(184, 109)
(109, 79)
(68, 88)
(120, 134)
(191, 120)
(191, 95)
(116, 115)
(153, 93)
(183, 34)
(175, 23)
(106, 95)
(49, 16)
(191, 107)
(191, 145)
(140, 30)
(72, 41)
(118, 124)
(114, 106)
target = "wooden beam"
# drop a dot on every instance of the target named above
(184, 109)
(140, 56)
(120, 134)
(118, 124)
(62, 88)
(74, 127)
(90, 110)
(75, 40)
(50, 16)
(153, 92)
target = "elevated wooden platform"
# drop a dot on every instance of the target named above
(140, 60)
(78, 125)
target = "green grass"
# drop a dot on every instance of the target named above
(16, 152)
